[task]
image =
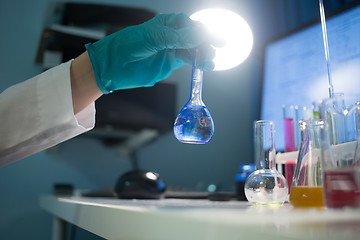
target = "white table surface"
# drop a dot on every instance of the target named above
(178, 219)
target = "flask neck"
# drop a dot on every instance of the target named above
(267, 161)
(196, 83)
(265, 152)
(196, 87)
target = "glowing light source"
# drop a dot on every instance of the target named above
(233, 29)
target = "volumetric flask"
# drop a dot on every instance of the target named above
(340, 151)
(265, 186)
(194, 123)
(307, 188)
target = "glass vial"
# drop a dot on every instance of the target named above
(265, 186)
(289, 128)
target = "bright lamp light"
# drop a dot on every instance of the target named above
(233, 29)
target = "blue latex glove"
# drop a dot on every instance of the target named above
(142, 55)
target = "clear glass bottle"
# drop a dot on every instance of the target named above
(265, 186)
(194, 123)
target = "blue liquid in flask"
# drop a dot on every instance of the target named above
(194, 123)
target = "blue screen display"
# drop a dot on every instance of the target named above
(295, 71)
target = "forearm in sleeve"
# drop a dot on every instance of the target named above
(38, 114)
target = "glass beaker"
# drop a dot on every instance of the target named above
(307, 188)
(265, 186)
(194, 123)
(340, 151)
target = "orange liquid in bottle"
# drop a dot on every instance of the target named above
(306, 197)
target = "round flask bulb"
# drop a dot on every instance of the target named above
(266, 187)
(194, 125)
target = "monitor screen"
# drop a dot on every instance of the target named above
(138, 108)
(295, 70)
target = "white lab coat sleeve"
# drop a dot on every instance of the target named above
(38, 114)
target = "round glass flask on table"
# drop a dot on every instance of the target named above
(194, 123)
(265, 186)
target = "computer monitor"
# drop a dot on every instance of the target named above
(295, 71)
(138, 108)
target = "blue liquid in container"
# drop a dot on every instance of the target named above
(194, 125)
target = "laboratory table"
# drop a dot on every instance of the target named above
(197, 219)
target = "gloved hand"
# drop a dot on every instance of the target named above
(142, 55)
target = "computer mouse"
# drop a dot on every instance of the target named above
(140, 184)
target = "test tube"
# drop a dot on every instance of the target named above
(315, 110)
(299, 115)
(289, 117)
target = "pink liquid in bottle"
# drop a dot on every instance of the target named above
(341, 188)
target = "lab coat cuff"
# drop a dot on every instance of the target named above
(86, 118)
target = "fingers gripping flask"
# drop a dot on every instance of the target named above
(265, 186)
